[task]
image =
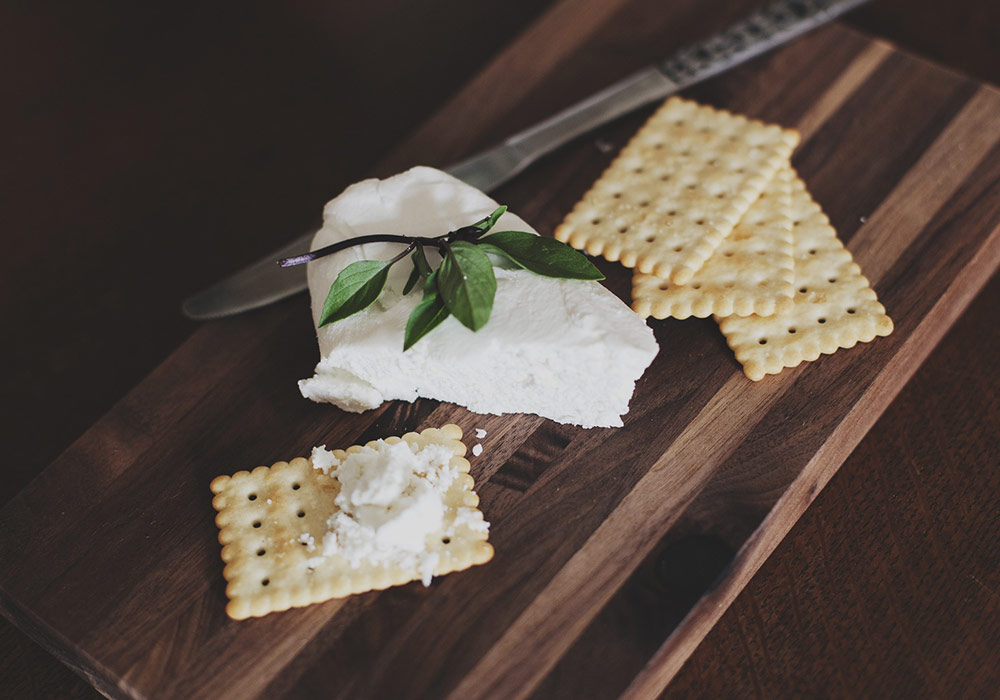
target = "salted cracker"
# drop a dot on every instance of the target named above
(677, 189)
(751, 272)
(834, 305)
(272, 520)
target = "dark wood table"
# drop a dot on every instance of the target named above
(151, 149)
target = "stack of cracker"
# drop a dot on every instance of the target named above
(705, 205)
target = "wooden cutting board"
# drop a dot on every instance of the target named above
(110, 560)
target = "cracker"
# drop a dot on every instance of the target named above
(834, 306)
(271, 522)
(677, 189)
(751, 272)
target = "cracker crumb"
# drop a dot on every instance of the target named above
(604, 146)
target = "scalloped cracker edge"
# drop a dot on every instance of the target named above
(677, 189)
(751, 272)
(272, 519)
(834, 305)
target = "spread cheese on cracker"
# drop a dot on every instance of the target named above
(348, 521)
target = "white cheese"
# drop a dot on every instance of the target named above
(391, 500)
(323, 459)
(477, 449)
(480, 433)
(568, 350)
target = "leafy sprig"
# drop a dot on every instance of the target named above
(463, 286)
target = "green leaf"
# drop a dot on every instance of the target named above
(357, 286)
(427, 315)
(467, 284)
(420, 262)
(421, 269)
(490, 248)
(411, 281)
(543, 256)
(490, 221)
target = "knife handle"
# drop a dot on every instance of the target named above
(770, 26)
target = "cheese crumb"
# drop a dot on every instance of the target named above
(480, 433)
(477, 449)
(323, 459)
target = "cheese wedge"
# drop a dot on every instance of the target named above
(568, 350)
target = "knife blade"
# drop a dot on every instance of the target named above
(263, 282)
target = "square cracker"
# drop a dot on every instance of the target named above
(751, 272)
(834, 306)
(271, 521)
(677, 189)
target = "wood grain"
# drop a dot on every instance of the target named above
(887, 587)
(529, 465)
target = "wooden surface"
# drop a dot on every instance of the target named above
(708, 548)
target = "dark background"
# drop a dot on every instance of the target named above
(149, 149)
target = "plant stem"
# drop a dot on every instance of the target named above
(412, 241)
(406, 251)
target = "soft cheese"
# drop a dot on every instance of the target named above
(568, 350)
(391, 499)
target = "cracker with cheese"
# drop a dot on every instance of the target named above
(348, 521)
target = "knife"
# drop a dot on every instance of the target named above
(264, 282)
